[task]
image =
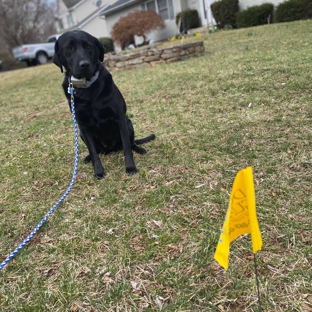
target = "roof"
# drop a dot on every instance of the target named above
(70, 3)
(86, 20)
(118, 5)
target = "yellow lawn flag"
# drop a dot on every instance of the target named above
(241, 217)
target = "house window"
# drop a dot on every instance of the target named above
(70, 20)
(151, 6)
(163, 7)
(60, 24)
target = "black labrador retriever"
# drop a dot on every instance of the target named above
(100, 107)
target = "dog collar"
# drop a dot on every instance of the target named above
(83, 82)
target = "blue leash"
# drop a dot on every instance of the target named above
(45, 218)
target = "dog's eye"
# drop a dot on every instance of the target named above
(69, 48)
(88, 47)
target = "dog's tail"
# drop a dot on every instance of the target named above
(145, 140)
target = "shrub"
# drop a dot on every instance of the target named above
(224, 13)
(255, 15)
(293, 10)
(108, 44)
(189, 19)
(8, 61)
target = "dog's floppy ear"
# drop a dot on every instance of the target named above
(100, 48)
(56, 56)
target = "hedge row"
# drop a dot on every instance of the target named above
(293, 10)
(255, 15)
(226, 13)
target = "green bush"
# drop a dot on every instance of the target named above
(293, 10)
(189, 19)
(255, 15)
(224, 13)
(108, 44)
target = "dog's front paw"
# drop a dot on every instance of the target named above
(99, 172)
(99, 176)
(131, 170)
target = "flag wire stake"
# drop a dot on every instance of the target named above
(257, 283)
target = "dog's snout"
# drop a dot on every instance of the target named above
(84, 64)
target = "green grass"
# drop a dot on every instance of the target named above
(146, 242)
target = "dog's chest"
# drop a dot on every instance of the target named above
(96, 115)
(104, 114)
(104, 125)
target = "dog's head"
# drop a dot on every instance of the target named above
(79, 53)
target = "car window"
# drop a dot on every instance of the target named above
(52, 39)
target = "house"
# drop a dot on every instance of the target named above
(167, 9)
(81, 14)
(98, 17)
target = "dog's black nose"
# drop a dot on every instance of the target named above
(84, 64)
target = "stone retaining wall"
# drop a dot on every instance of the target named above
(153, 56)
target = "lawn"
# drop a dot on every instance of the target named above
(146, 242)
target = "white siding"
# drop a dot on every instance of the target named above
(244, 4)
(96, 27)
(194, 5)
(61, 12)
(177, 6)
(184, 5)
(79, 13)
(84, 10)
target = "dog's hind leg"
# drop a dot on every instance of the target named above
(141, 150)
(138, 149)
(126, 144)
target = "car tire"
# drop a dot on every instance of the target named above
(41, 58)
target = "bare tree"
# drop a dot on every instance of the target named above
(137, 23)
(25, 21)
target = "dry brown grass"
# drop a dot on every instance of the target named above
(146, 242)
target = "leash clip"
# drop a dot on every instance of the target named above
(70, 90)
